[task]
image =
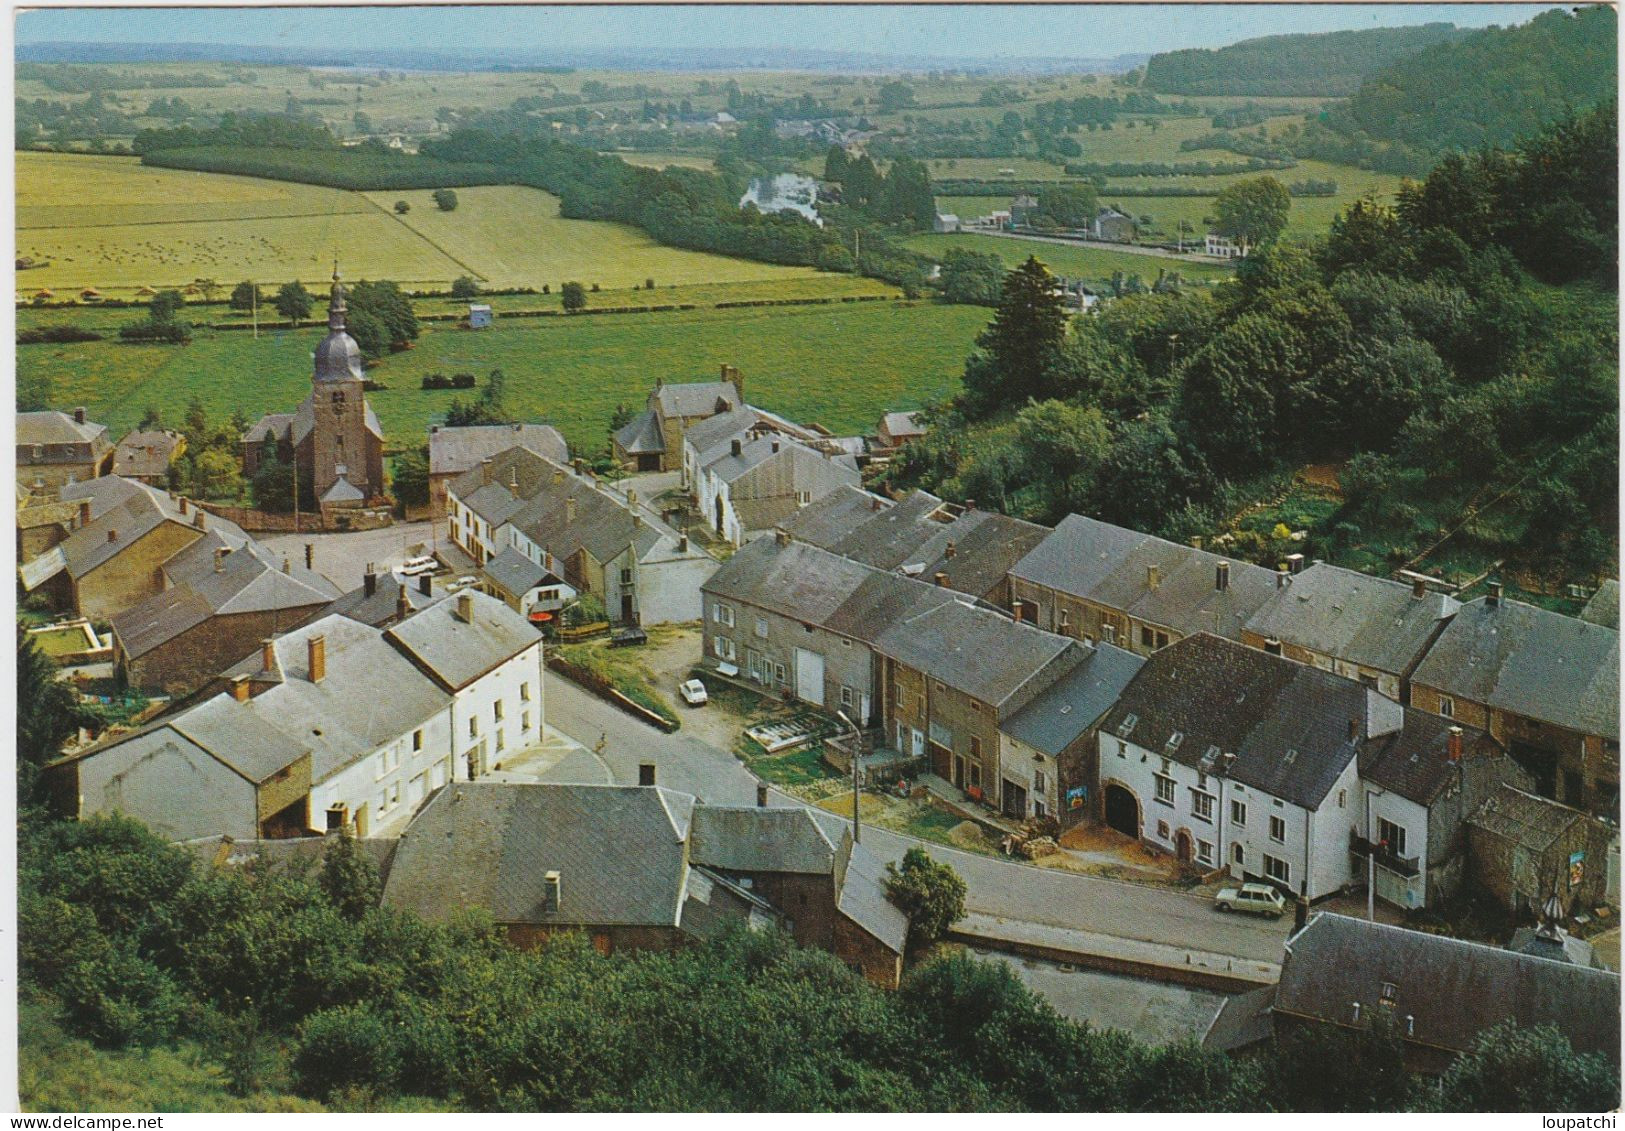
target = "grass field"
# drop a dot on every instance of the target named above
(655, 160)
(841, 366)
(1077, 262)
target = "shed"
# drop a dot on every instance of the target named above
(479, 315)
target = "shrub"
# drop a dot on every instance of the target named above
(464, 287)
(152, 330)
(463, 381)
(402, 208)
(348, 1047)
(42, 335)
(445, 200)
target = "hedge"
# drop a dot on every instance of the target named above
(332, 168)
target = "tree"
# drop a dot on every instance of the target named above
(895, 96)
(165, 305)
(208, 288)
(464, 287)
(151, 419)
(216, 475)
(293, 302)
(1513, 1069)
(575, 297)
(445, 199)
(975, 277)
(1070, 206)
(369, 333)
(1020, 343)
(402, 207)
(348, 878)
(1325, 1068)
(272, 487)
(245, 296)
(48, 713)
(35, 390)
(1253, 211)
(932, 895)
(388, 305)
(411, 479)
(1062, 446)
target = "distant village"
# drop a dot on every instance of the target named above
(1321, 742)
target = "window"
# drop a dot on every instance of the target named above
(1039, 784)
(1238, 855)
(626, 579)
(803, 498)
(1238, 813)
(338, 398)
(1204, 852)
(761, 627)
(1389, 993)
(845, 643)
(1277, 869)
(1202, 806)
(723, 614)
(1152, 638)
(501, 741)
(1108, 633)
(473, 727)
(496, 710)
(1447, 706)
(1038, 809)
(778, 671)
(975, 706)
(1392, 835)
(1278, 830)
(1342, 797)
(1066, 617)
(724, 648)
(846, 696)
(975, 747)
(524, 720)
(976, 775)
(1174, 740)
(524, 692)
(1165, 789)
(417, 740)
(1162, 829)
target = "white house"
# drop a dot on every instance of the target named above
(1223, 247)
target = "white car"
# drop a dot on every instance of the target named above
(693, 693)
(411, 567)
(1260, 899)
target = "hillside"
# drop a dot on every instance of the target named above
(1331, 64)
(1490, 89)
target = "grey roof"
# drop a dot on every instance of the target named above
(719, 429)
(51, 428)
(1364, 620)
(131, 512)
(1452, 989)
(247, 742)
(145, 453)
(303, 420)
(1603, 608)
(1061, 713)
(378, 610)
(455, 652)
(338, 358)
(1530, 662)
(343, 491)
(980, 652)
(1524, 818)
(641, 435)
(697, 398)
(1286, 723)
(514, 572)
(273, 425)
(1110, 566)
(1558, 947)
(453, 451)
(976, 550)
(1242, 1021)
(887, 537)
(827, 521)
(1414, 761)
(797, 581)
(757, 839)
(805, 463)
(904, 423)
(618, 851)
(860, 895)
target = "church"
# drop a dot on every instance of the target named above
(333, 439)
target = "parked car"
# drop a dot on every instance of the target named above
(411, 567)
(693, 693)
(1260, 899)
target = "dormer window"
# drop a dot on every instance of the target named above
(1174, 740)
(1126, 727)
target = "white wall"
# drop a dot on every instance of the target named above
(520, 726)
(1381, 804)
(381, 782)
(1019, 763)
(669, 584)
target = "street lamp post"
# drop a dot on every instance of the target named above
(857, 754)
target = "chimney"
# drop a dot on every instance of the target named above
(1494, 598)
(950, 550)
(84, 514)
(761, 795)
(310, 555)
(112, 535)
(403, 603)
(239, 688)
(1272, 646)
(1196, 542)
(465, 607)
(183, 504)
(570, 509)
(637, 521)
(220, 553)
(970, 504)
(79, 415)
(316, 657)
(682, 543)
(736, 446)
(558, 476)
(942, 580)
(1419, 588)
(425, 585)
(1153, 577)
(1221, 576)
(1280, 577)
(485, 470)
(646, 773)
(1354, 729)
(550, 891)
(200, 519)
(369, 581)
(268, 655)
(1454, 746)
(781, 536)
(874, 503)
(1295, 562)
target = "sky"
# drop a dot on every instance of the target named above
(1080, 30)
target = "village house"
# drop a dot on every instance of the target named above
(943, 222)
(524, 585)
(745, 422)
(653, 440)
(1545, 685)
(1095, 581)
(1023, 210)
(746, 480)
(643, 868)
(56, 448)
(576, 529)
(335, 725)
(222, 595)
(1362, 627)
(455, 451)
(333, 440)
(1112, 226)
(1236, 760)
(1223, 247)
(1440, 993)
(122, 535)
(148, 456)
(1527, 849)
(384, 598)
(898, 428)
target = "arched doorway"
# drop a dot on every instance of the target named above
(1122, 810)
(1182, 846)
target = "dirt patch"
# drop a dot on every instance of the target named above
(1323, 475)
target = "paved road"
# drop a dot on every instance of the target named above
(343, 558)
(1125, 248)
(994, 886)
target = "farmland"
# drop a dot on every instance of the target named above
(841, 366)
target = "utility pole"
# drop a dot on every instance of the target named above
(857, 757)
(295, 462)
(254, 305)
(1371, 882)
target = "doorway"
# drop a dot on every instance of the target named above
(1182, 846)
(1123, 810)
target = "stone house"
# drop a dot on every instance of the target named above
(1441, 992)
(1362, 627)
(643, 868)
(752, 481)
(653, 440)
(1526, 849)
(523, 585)
(898, 428)
(455, 451)
(1112, 226)
(1095, 581)
(147, 456)
(335, 725)
(57, 448)
(1545, 685)
(1233, 759)
(595, 540)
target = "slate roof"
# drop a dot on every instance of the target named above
(719, 429)
(721, 462)
(131, 512)
(1109, 565)
(760, 839)
(1603, 608)
(1062, 712)
(454, 652)
(1364, 620)
(1530, 662)
(1287, 723)
(514, 572)
(798, 581)
(52, 428)
(1452, 989)
(343, 491)
(900, 425)
(984, 545)
(273, 425)
(1523, 818)
(1414, 761)
(641, 435)
(378, 610)
(1242, 1021)
(887, 538)
(145, 453)
(618, 851)
(453, 451)
(826, 521)
(697, 398)
(979, 652)
(860, 895)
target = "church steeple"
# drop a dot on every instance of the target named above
(338, 358)
(335, 304)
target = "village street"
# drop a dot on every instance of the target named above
(997, 888)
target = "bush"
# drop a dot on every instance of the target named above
(348, 1047)
(464, 287)
(43, 335)
(463, 381)
(437, 381)
(445, 200)
(575, 296)
(152, 330)
(402, 208)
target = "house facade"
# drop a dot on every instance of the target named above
(147, 456)
(58, 448)
(751, 483)
(653, 440)
(1527, 849)
(455, 451)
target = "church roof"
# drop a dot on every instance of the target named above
(338, 358)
